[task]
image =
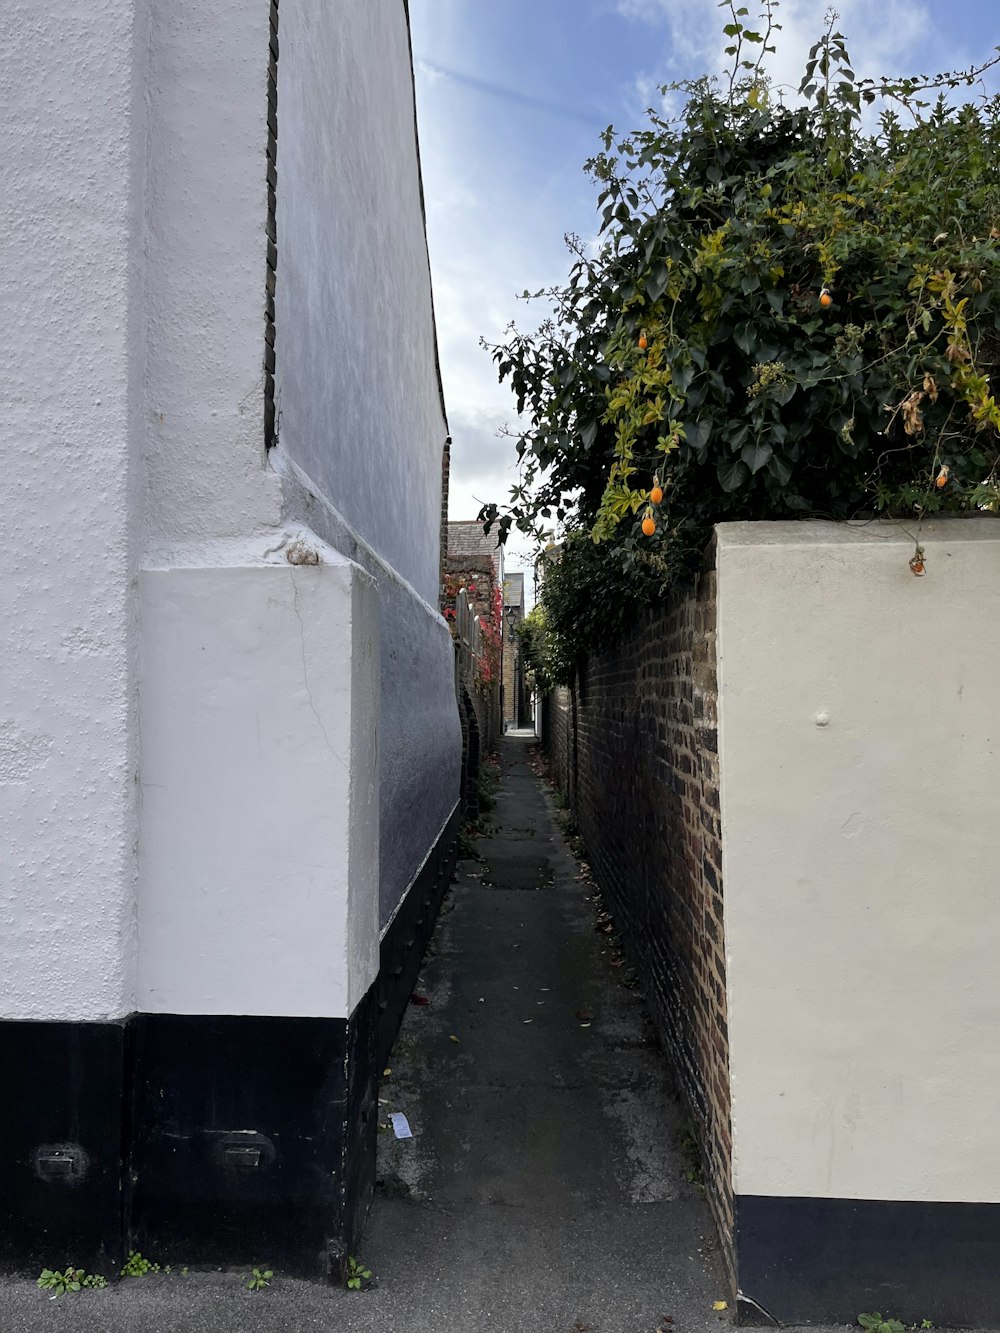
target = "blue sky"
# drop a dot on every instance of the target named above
(511, 98)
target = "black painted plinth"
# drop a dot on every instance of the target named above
(63, 1127)
(254, 1138)
(827, 1260)
(204, 1139)
(406, 939)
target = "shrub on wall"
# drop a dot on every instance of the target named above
(791, 314)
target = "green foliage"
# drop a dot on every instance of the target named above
(259, 1279)
(691, 1153)
(789, 315)
(540, 647)
(137, 1266)
(488, 783)
(466, 844)
(70, 1279)
(591, 592)
(357, 1275)
(874, 1323)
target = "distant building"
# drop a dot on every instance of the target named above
(474, 562)
(516, 704)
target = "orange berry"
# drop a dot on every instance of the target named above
(656, 495)
(825, 298)
(648, 526)
(643, 344)
(942, 477)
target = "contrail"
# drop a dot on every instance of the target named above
(511, 94)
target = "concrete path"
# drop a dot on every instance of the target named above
(545, 1186)
(544, 1189)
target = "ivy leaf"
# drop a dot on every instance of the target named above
(780, 469)
(744, 338)
(732, 473)
(756, 455)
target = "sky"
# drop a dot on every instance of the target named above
(512, 96)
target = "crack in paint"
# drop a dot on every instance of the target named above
(305, 674)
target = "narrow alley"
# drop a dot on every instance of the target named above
(545, 1186)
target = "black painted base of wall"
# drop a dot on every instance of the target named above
(405, 941)
(63, 1131)
(254, 1138)
(194, 1139)
(827, 1260)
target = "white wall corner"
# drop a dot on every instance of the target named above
(363, 856)
(259, 848)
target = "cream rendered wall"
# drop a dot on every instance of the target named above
(72, 109)
(859, 735)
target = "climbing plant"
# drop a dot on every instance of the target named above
(793, 311)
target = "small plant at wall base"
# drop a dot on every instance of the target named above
(68, 1280)
(358, 1276)
(136, 1266)
(874, 1323)
(259, 1279)
(791, 314)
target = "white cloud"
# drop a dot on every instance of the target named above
(883, 37)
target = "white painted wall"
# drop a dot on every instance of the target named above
(357, 383)
(71, 106)
(205, 251)
(420, 767)
(859, 733)
(259, 862)
(361, 423)
(133, 418)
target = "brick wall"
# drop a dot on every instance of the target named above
(477, 574)
(555, 732)
(633, 746)
(445, 487)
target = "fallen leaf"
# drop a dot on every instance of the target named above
(386, 1073)
(418, 999)
(720, 1305)
(453, 1037)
